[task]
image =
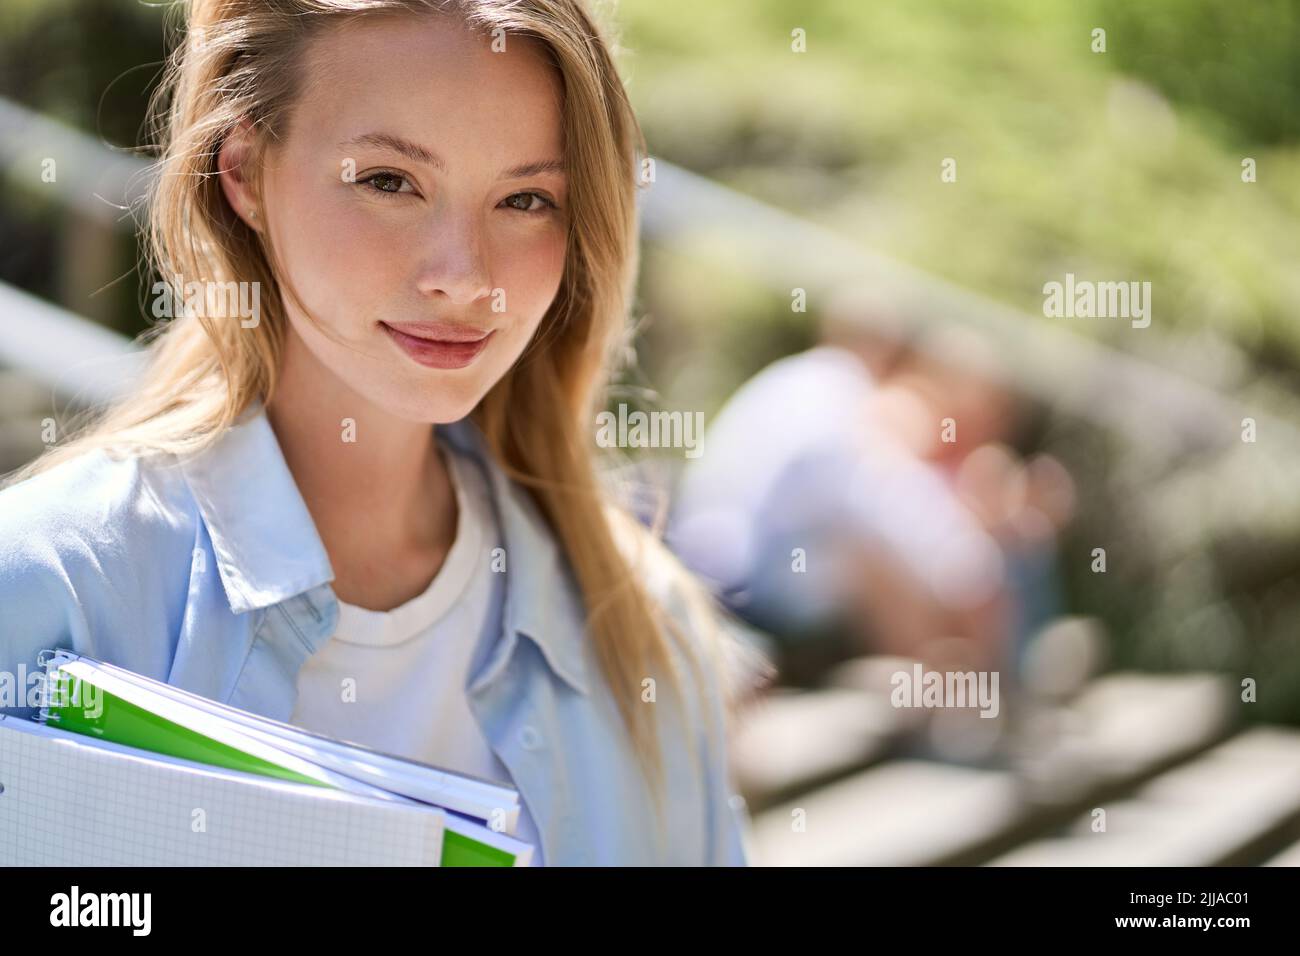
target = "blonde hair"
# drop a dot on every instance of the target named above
(240, 59)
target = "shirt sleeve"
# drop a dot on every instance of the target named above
(38, 613)
(83, 565)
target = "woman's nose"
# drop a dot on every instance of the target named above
(455, 262)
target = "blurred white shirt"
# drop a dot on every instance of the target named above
(792, 460)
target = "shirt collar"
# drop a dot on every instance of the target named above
(268, 549)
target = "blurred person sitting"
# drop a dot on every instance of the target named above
(944, 399)
(818, 522)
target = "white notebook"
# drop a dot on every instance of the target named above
(71, 802)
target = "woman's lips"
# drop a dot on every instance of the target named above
(439, 345)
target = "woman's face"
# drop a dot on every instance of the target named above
(418, 208)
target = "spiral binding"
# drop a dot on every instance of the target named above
(51, 659)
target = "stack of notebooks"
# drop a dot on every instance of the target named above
(119, 770)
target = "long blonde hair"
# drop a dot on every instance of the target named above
(240, 59)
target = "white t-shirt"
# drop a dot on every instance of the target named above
(395, 680)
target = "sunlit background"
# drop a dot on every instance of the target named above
(852, 215)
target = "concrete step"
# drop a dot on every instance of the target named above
(1229, 806)
(792, 741)
(1122, 730)
(1288, 857)
(903, 813)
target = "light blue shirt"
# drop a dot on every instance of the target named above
(208, 573)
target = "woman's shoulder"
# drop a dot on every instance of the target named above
(92, 496)
(87, 528)
(92, 554)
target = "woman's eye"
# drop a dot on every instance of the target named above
(524, 202)
(390, 183)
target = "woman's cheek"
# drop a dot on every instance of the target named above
(530, 272)
(348, 251)
(346, 232)
(309, 232)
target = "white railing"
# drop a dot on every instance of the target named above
(81, 361)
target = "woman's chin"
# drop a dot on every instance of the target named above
(440, 409)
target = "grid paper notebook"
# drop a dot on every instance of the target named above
(122, 809)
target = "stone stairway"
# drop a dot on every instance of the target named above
(839, 777)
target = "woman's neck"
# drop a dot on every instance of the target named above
(375, 485)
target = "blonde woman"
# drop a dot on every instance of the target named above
(368, 504)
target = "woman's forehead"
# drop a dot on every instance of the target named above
(428, 80)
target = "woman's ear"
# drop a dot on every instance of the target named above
(235, 170)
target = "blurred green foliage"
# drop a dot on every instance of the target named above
(90, 63)
(1234, 64)
(1123, 164)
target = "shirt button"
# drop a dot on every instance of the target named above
(529, 738)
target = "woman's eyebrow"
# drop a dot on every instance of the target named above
(419, 154)
(396, 144)
(535, 169)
